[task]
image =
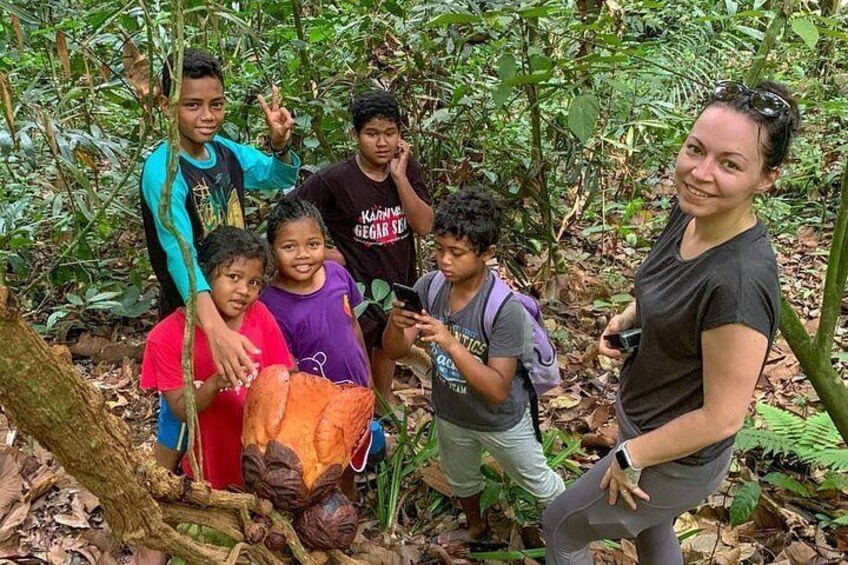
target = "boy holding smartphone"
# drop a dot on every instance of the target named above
(372, 203)
(480, 396)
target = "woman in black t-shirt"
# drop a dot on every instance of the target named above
(706, 302)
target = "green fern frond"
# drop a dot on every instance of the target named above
(834, 481)
(834, 459)
(820, 433)
(782, 422)
(770, 442)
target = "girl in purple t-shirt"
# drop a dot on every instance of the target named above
(311, 300)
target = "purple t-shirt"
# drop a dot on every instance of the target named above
(319, 327)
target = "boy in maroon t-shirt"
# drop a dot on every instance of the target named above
(372, 203)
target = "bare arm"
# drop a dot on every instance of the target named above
(733, 358)
(400, 332)
(418, 213)
(230, 350)
(333, 254)
(203, 396)
(360, 338)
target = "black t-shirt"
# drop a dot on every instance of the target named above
(733, 283)
(366, 220)
(214, 197)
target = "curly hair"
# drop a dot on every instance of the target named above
(374, 104)
(472, 213)
(290, 209)
(196, 64)
(224, 245)
(778, 132)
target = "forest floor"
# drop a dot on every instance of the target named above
(45, 516)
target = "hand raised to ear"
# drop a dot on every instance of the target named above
(397, 166)
(278, 118)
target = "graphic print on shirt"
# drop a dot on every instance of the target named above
(219, 204)
(445, 368)
(381, 225)
(315, 366)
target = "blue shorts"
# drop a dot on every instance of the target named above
(173, 433)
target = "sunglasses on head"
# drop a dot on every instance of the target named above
(767, 104)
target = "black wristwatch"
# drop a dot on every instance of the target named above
(622, 457)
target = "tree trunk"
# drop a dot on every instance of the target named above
(814, 352)
(826, 45)
(775, 28)
(49, 400)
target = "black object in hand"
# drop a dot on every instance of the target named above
(409, 297)
(626, 341)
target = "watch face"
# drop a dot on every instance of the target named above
(621, 459)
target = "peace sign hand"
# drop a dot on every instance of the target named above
(278, 118)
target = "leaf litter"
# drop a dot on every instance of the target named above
(46, 516)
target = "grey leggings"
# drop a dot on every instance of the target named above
(583, 514)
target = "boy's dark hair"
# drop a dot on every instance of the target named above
(374, 104)
(777, 133)
(196, 64)
(226, 244)
(290, 209)
(471, 213)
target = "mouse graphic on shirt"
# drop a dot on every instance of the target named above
(315, 366)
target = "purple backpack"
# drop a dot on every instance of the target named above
(544, 368)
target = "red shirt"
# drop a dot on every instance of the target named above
(221, 422)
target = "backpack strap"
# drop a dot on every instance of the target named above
(499, 294)
(437, 281)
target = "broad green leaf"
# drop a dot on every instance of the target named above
(623, 297)
(786, 482)
(582, 116)
(360, 308)
(501, 94)
(490, 496)
(394, 8)
(453, 18)
(507, 66)
(746, 500)
(380, 289)
(74, 299)
(731, 6)
(104, 296)
(541, 62)
(806, 30)
(532, 78)
(751, 32)
(841, 521)
(12, 8)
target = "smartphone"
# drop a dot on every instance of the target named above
(409, 297)
(626, 341)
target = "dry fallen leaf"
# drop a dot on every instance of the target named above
(434, 478)
(137, 69)
(564, 401)
(11, 483)
(11, 521)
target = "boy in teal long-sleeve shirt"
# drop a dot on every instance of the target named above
(208, 192)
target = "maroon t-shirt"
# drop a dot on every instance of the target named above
(366, 220)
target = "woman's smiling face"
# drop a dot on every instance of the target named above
(720, 166)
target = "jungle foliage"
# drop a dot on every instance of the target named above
(571, 111)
